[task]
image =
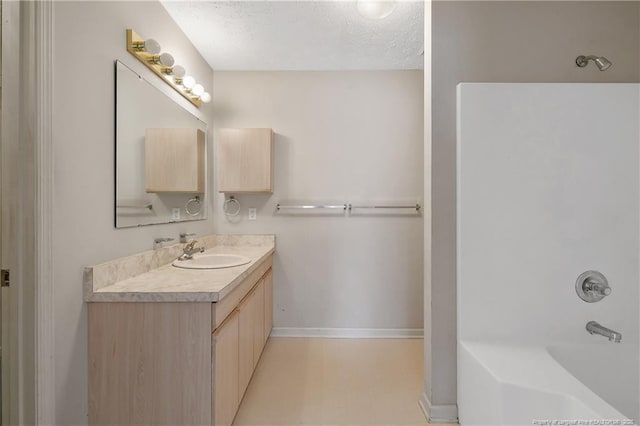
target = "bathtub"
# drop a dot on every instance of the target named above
(527, 384)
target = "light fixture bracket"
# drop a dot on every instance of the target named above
(134, 46)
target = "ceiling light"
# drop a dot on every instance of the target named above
(376, 9)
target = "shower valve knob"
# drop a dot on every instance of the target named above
(592, 286)
(601, 288)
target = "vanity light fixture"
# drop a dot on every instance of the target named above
(176, 72)
(197, 90)
(163, 64)
(165, 59)
(189, 82)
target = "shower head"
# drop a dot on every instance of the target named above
(601, 62)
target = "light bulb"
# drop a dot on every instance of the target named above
(188, 82)
(376, 9)
(205, 97)
(166, 59)
(178, 71)
(152, 46)
(197, 90)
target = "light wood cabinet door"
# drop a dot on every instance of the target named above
(149, 363)
(268, 304)
(245, 160)
(174, 160)
(226, 398)
(258, 322)
(251, 334)
(245, 343)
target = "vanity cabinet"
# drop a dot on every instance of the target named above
(174, 160)
(177, 363)
(225, 370)
(268, 304)
(251, 318)
(245, 160)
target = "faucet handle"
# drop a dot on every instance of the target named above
(162, 239)
(184, 236)
(601, 288)
(592, 286)
(157, 242)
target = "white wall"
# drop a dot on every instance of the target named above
(88, 37)
(340, 137)
(503, 41)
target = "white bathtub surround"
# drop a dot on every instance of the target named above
(520, 383)
(149, 276)
(585, 363)
(547, 189)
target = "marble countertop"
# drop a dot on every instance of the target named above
(166, 283)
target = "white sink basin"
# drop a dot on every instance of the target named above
(212, 261)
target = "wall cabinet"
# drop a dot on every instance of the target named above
(174, 160)
(245, 160)
(180, 363)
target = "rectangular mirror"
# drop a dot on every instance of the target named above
(160, 156)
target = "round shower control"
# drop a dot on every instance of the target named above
(592, 286)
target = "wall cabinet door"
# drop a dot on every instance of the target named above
(268, 304)
(225, 376)
(174, 160)
(245, 160)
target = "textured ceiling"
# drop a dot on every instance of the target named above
(301, 35)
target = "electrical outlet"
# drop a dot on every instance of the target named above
(252, 213)
(175, 213)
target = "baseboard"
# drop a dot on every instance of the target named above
(349, 333)
(438, 413)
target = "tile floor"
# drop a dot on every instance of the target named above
(311, 381)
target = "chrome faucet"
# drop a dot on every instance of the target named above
(595, 328)
(189, 250)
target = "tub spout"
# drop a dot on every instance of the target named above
(595, 328)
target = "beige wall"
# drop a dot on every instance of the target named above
(504, 42)
(343, 136)
(88, 37)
